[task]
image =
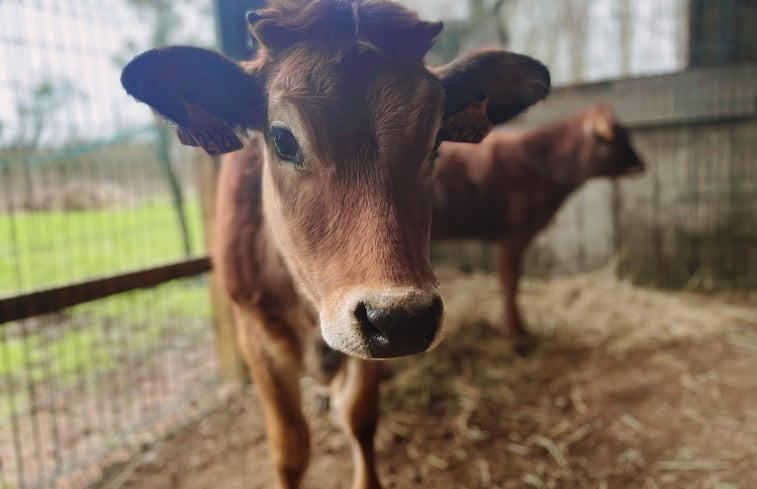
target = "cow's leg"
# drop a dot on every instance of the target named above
(510, 262)
(355, 396)
(276, 365)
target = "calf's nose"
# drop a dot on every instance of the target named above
(394, 331)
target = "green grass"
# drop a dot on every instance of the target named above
(41, 249)
(187, 298)
(64, 355)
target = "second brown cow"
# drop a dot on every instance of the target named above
(507, 188)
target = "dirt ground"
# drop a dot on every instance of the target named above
(624, 388)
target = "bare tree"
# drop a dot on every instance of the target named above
(35, 113)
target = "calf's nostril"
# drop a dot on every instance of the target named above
(369, 321)
(434, 311)
(398, 330)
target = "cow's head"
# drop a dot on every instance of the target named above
(352, 117)
(608, 148)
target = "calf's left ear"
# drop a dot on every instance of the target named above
(487, 88)
(209, 97)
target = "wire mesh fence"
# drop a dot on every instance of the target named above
(89, 211)
(84, 387)
(90, 188)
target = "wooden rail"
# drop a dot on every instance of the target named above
(38, 302)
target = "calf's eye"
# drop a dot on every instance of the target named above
(286, 145)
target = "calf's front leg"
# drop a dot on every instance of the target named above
(276, 366)
(355, 397)
(510, 259)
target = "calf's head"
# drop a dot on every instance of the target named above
(609, 148)
(352, 118)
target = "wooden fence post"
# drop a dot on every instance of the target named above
(229, 359)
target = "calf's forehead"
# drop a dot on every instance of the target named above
(357, 102)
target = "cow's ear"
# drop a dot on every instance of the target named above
(602, 122)
(487, 88)
(209, 97)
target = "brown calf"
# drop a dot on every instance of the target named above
(324, 216)
(509, 187)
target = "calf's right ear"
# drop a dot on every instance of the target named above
(209, 97)
(487, 88)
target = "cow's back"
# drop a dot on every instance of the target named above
(500, 187)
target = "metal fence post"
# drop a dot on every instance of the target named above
(231, 27)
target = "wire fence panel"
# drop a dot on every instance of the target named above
(85, 185)
(89, 188)
(84, 387)
(90, 211)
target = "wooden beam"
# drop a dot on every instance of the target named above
(38, 302)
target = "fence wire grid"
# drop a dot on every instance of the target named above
(91, 187)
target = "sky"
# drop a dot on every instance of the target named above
(81, 44)
(76, 43)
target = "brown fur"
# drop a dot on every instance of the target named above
(509, 187)
(384, 27)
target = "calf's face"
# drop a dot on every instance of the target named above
(347, 192)
(351, 124)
